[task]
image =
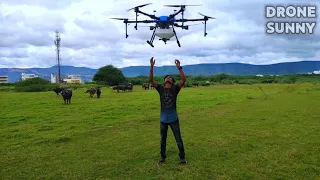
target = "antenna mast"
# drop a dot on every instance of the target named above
(57, 43)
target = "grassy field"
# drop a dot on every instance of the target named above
(229, 132)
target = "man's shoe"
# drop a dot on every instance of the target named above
(162, 160)
(183, 162)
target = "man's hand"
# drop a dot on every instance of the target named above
(177, 62)
(152, 62)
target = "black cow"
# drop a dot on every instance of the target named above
(57, 90)
(91, 91)
(195, 84)
(66, 94)
(98, 92)
(121, 87)
(129, 87)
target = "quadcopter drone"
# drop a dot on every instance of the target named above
(164, 25)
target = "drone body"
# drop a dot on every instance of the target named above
(164, 25)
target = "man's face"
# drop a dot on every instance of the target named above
(169, 79)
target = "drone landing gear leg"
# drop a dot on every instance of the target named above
(127, 30)
(205, 28)
(176, 36)
(152, 38)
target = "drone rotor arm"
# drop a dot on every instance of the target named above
(149, 15)
(143, 21)
(175, 14)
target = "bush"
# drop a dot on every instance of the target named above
(205, 84)
(187, 84)
(33, 81)
(6, 84)
(34, 85)
(91, 82)
(227, 81)
(35, 88)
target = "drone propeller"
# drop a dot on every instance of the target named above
(207, 16)
(120, 18)
(182, 5)
(139, 6)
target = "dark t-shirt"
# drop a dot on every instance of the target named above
(168, 99)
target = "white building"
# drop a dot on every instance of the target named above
(316, 72)
(53, 78)
(25, 76)
(259, 75)
(73, 79)
(4, 79)
(72, 76)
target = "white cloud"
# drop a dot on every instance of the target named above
(90, 38)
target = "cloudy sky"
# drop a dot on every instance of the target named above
(90, 38)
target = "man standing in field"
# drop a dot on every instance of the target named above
(168, 116)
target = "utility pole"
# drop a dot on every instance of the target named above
(57, 43)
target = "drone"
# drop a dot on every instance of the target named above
(164, 25)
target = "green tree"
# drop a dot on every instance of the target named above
(33, 85)
(109, 75)
(32, 81)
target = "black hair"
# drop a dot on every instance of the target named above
(170, 76)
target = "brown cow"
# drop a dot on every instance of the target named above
(146, 86)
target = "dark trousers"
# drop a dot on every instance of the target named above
(175, 127)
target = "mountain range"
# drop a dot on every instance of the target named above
(302, 67)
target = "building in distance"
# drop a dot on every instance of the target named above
(4, 79)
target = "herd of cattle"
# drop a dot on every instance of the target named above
(67, 93)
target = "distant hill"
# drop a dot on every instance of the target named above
(87, 74)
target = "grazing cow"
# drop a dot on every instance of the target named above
(66, 94)
(92, 91)
(114, 88)
(129, 87)
(195, 84)
(121, 87)
(98, 92)
(146, 86)
(151, 86)
(57, 90)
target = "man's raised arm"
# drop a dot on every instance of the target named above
(151, 79)
(183, 77)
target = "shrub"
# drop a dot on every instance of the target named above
(205, 84)
(33, 81)
(35, 88)
(34, 85)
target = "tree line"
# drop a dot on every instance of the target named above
(110, 75)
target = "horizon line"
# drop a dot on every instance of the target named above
(164, 65)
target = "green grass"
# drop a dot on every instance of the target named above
(229, 132)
